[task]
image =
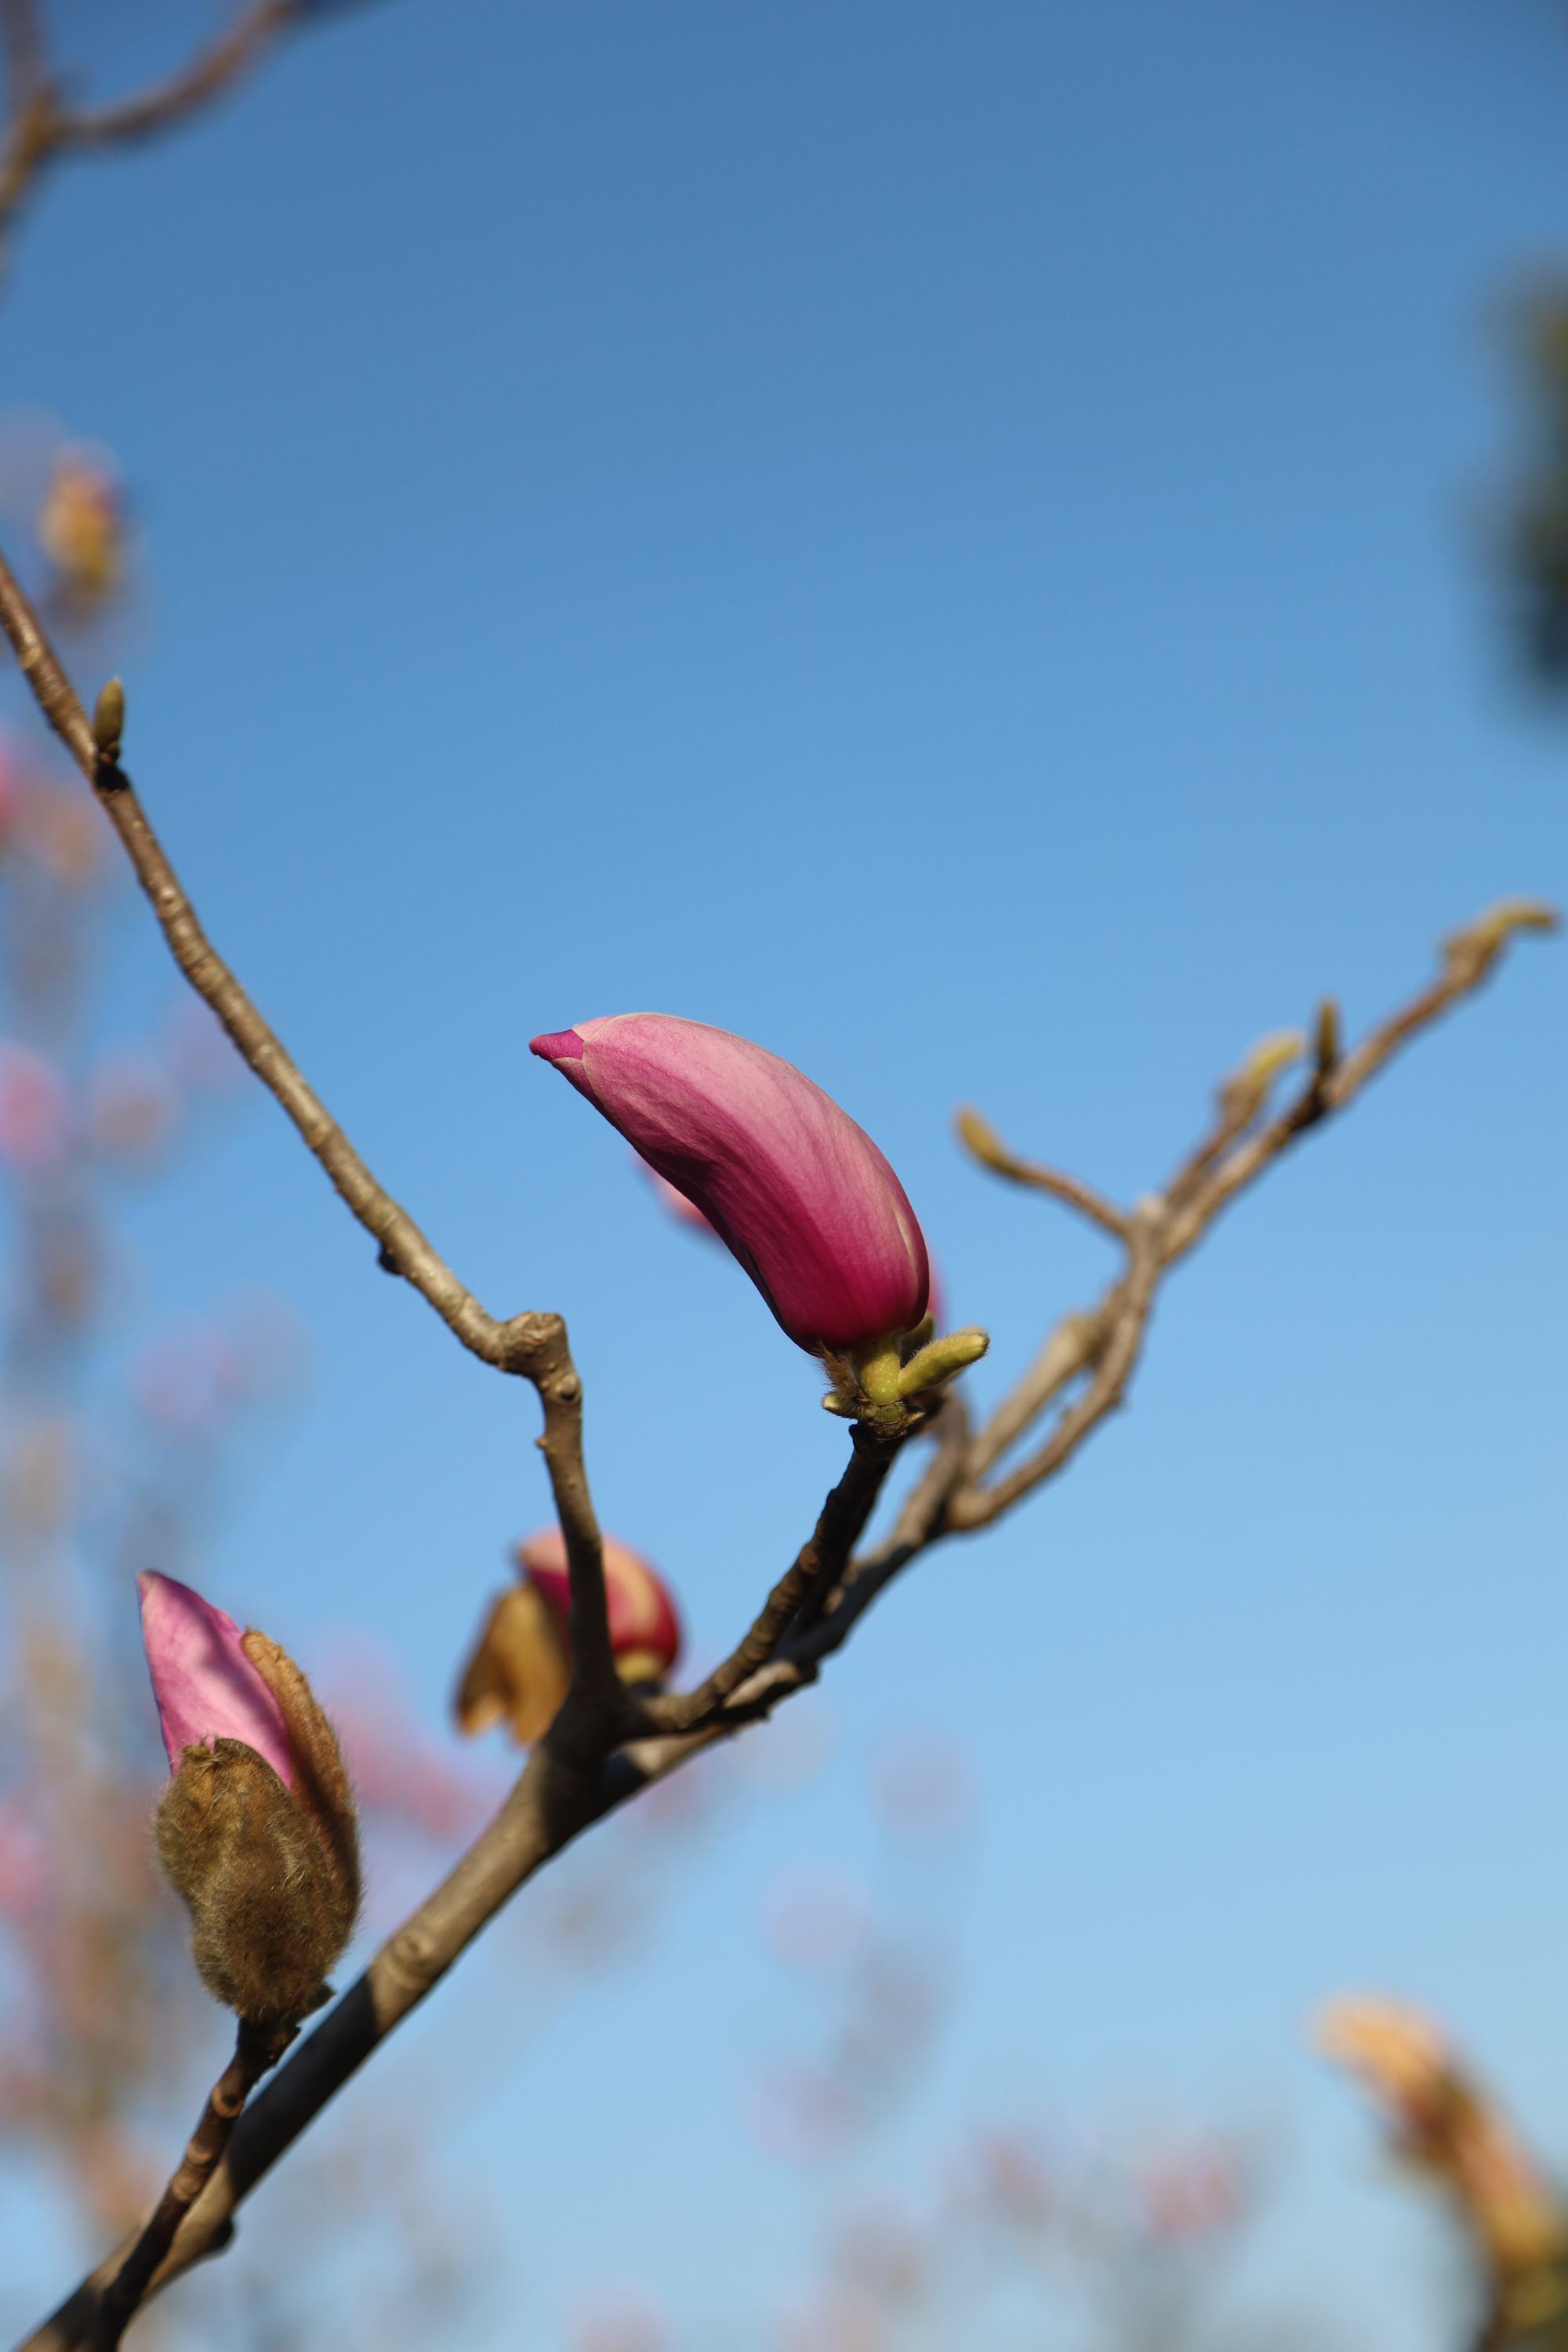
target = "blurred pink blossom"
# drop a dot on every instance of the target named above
(921, 1786)
(24, 1866)
(618, 2322)
(34, 1111)
(131, 1106)
(818, 1917)
(188, 1379)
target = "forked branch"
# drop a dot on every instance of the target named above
(41, 126)
(605, 1747)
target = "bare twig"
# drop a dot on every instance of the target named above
(256, 2049)
(211, 71)
(41, 126)
(799, 1593)
(1103, 1341)
(980, 1137)
(526, 1343)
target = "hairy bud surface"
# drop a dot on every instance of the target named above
(256, 1831)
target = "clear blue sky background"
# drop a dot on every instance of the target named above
(945, 539)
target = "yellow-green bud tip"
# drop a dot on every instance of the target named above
(978, 1136)
(939, 1362)
(1491, 928)
(1271, 1055)
(1328, 1037)
(109, 717)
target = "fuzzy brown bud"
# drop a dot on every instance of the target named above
(269, 1870)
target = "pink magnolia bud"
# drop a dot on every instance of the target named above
(522, 1663)
(799, 1193)
(644, 1631)
(206, 1686)
(256, 1831)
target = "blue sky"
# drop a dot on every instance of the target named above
(947, 541)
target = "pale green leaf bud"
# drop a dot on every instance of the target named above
(108, 719)
(939, 1362)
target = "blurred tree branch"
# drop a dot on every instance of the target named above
(42, 126)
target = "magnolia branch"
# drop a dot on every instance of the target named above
(606, 1746)
(256, 2049)
(42, 126)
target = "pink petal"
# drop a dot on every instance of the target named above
(206, 1686)
(797, 1190)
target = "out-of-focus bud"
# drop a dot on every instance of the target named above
(256, 1831)
(109, 717)
(81, 529)
(34, 1111)
(1493, 928)
(978, 1136)
(798, 1193)
(131, 1107)
(520, 1671)
(1248, 1086)
(1326, 1035)
(1445, 2121)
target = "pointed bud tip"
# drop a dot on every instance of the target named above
(980, 1137)
(109, 716)
(557, 1045)
(1273, 1054)
(953, 1353)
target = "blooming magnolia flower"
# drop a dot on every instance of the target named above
(799, 1193)
(521, 1665)
(256, 1831)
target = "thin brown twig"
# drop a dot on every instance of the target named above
(40, 127)
(981, 1140)
(1103, 1341)
(817, 1568)
(256, 2049)
(211, 71)
(520, 1344)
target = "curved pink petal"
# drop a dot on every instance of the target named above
(797, 1190)
(206, 1686)
(641, 1611)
